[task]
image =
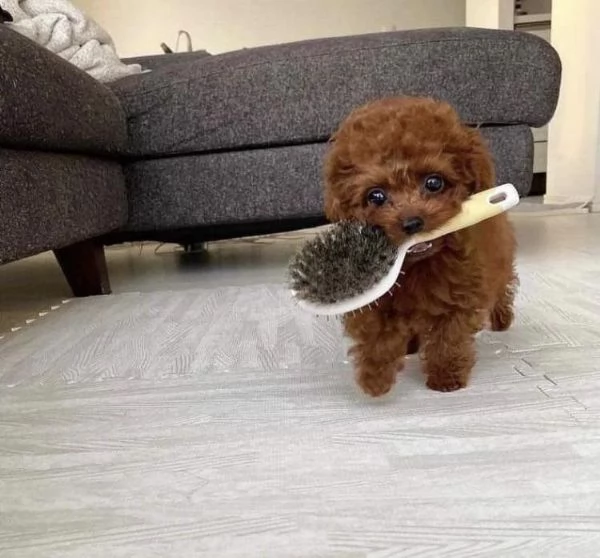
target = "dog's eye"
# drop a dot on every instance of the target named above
(377, 196)
(433, 183)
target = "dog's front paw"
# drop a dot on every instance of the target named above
(376, 382)
(446, 383)
(501, 318)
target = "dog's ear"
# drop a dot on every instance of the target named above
(332, 175)
(333, 207)
(479, 164)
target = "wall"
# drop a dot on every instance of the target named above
(139, 26)
(596, 202)
(490, 14)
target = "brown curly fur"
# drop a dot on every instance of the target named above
(464, 281)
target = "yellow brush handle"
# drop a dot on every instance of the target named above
(477, 208)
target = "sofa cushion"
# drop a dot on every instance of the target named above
(298, 93)
(48, 104)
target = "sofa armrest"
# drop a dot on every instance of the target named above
(48, 104)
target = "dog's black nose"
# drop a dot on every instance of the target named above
(413, 225)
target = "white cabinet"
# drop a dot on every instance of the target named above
(534, 16)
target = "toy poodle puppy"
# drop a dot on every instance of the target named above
(406, 165)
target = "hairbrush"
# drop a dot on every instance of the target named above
(351, 265)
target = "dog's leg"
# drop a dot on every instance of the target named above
(449, 351)
(379, 350)
(502, 314)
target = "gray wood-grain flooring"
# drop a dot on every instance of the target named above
(137, 426)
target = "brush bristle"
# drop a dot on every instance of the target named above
(340, 263)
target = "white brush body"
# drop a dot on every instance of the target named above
(477, 208)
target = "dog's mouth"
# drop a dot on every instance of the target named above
(423, 250)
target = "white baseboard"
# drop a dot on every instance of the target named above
(537, 206)
(542, 211)
(566, 200)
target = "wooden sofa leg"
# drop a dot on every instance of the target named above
(84, 266)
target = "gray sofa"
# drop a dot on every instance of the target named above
(206, 147)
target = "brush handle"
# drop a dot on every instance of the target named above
(477, 208)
